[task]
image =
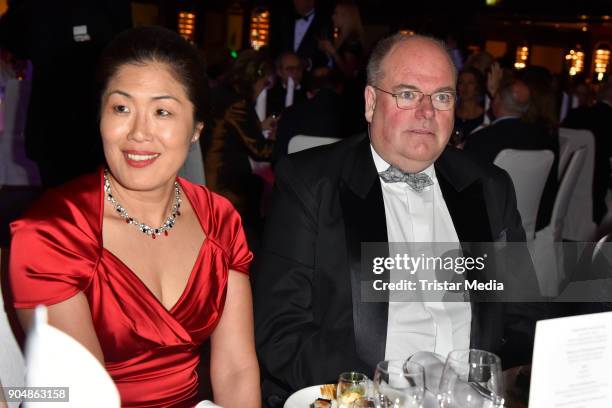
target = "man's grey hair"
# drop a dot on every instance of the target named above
(509, 102)
(384, 46)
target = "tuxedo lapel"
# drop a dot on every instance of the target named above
(364, 219)
(464, 197)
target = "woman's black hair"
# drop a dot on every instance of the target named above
(143, 45)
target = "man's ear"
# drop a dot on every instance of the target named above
(370, 102)
(197, 132)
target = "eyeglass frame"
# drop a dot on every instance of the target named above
(423, 95)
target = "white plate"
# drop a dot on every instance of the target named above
(304, 397)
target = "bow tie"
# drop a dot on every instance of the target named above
(416, 181)
(299, 17)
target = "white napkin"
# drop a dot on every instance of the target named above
(54, 359)
(290, 92)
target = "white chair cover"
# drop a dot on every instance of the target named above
(54, 359)
(547, 252)
(12, 365)
(528, 170)
(193, 169)
(15, 168)
(579, 225)
(302, 142)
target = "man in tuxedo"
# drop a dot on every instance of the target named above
(311, 320)
(300, 33)
(508, 131)
(288, 65)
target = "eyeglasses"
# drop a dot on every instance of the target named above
(411, 99)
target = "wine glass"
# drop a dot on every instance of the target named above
(471, 378)
(400, 384)
(351, 387)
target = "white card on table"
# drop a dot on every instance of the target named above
(572, 362)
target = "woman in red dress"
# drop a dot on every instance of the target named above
(138, 265)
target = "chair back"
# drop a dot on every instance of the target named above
(566, 191)
(193, 168)
(12, 365)
(579, 225)
(528, 170)
(302, 142)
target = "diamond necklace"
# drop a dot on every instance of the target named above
(142, 227)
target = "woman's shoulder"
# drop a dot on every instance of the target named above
(222, 224)
(214, 210)
(70, 212)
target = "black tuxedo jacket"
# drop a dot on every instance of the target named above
(515, 134)
(283, 34)
(310, 322)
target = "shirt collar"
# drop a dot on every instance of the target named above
(382, 165)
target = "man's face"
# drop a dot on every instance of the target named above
(410, 139)
(291, 66)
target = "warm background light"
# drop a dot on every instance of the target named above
(522, 54)
(601, 60)
(576, 61)
(186, 25)
(260, 28)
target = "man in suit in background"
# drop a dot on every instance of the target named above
(301, 32)
(402, 184)
(324, 114)
(288, 65)
(509, 131)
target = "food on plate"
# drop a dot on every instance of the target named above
(328, 391)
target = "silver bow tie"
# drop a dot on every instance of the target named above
(416, 181)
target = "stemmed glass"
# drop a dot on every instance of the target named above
(471, 378)
(351, 387)
(399, 384)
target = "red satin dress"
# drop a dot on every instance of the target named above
(150, 352)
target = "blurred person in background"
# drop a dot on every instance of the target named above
(298, 30)
(324, 114)
(288, 65)
(469, 112)
(347, 52)
(233, 135)
(510, 131)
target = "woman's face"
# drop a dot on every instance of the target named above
(147, 126)
(467, 88)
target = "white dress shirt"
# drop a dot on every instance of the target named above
(421, 325)
(300, 28)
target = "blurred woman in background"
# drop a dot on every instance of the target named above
(234, 135)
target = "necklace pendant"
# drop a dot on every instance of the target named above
(153, 236)
(166, 233)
